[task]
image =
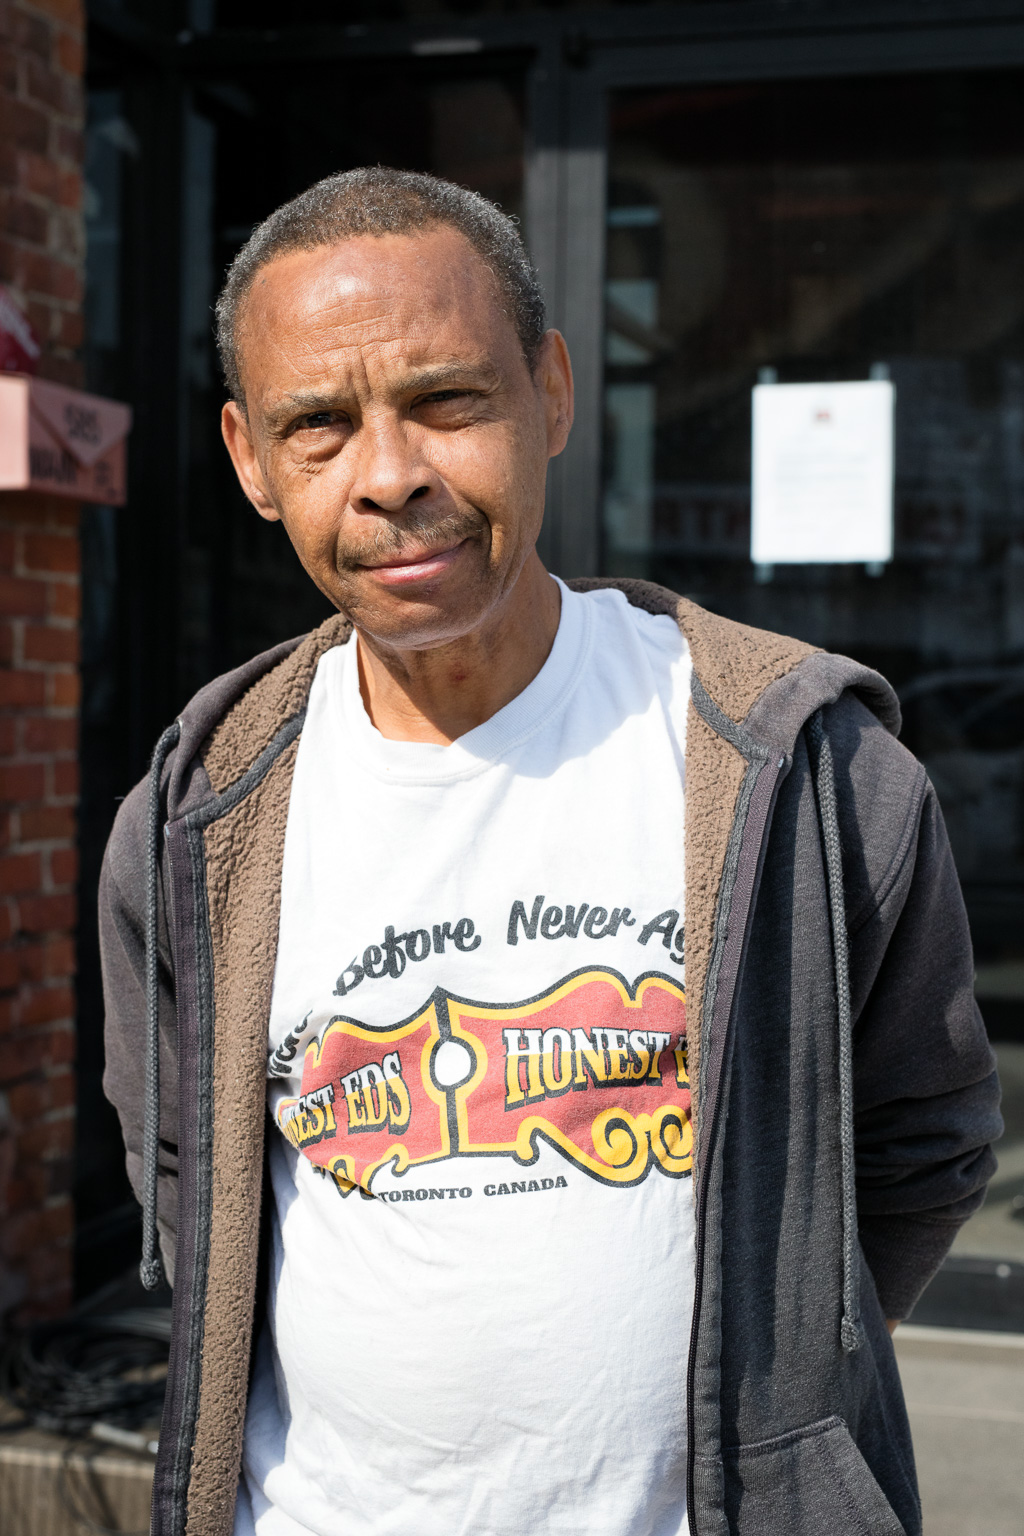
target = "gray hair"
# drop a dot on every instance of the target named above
(377, 200)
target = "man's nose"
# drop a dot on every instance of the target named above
(390, 470)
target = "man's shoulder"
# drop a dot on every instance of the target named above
(770, 682)
(225, 727)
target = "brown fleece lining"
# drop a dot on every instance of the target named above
(251, 725)
(245, 851)
(244, 857)
(736, 664)
(714, 773)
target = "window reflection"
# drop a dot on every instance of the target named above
(823, 230)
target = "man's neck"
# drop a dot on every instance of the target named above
(439, 694)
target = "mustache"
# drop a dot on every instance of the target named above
(420, 530)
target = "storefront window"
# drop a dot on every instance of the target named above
(821, 231)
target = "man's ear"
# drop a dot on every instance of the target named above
(238, 441)
(553, 373)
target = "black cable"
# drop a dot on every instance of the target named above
(65, 1376)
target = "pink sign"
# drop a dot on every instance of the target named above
(61, 440)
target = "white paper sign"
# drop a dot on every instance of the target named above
(822, 473)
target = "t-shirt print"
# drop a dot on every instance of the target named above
(481, 1162)
(594, 1066)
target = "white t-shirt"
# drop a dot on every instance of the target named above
(482, 1255)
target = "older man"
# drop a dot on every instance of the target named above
(400, 918)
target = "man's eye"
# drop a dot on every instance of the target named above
(444, 395)
(318, 419)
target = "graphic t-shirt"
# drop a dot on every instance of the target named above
(482, 1244)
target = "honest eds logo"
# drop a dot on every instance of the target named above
(545, 1063)
(376, 1096)
(594, 1067)
(307, 1120)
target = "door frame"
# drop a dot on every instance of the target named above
(566, 167)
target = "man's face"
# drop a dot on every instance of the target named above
(396, 430)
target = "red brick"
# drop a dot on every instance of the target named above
(6, 541)
(28, 963)
(23, 688)
(62, 1089)
(56, 279)
(22, 781)
(24, 220)
(7, 641)
(41, 733)
(8, 70)
(65, 777)
(43, 642)
(51, 552)
(70, 329)
(52, 88)
(31, 33)
(10, 968)
(69, 190)
(70, 54)
(71, 12)
(46, 1138)
(59, 957)
(65, 599)
(39, 175)
(29, 507)
(63, 1044)
(37, 914)
(64, 689)
(62, 370)
(8, 262)
(21, 1056)
(46, 823)
(6, 921)
(64, 866)
(44, 1004)
(24, 126)
(63, 513)
(70, 144)
(20, 872)
(8, 166)
(36, 1229)
(27, 1100)
(21, 596)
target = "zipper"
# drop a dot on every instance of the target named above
(193, 972)
(174, 1456)
(753, 840)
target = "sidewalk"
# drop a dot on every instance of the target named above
(965, 1396)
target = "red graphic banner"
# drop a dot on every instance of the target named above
(592, 1067)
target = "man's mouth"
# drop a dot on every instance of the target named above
(410, 565)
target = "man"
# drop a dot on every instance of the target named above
(542, 1246)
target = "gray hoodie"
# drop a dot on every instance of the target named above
(844, 1092)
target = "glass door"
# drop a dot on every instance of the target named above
(836, 229)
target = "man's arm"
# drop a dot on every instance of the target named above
(122, 905)
(926, 1092)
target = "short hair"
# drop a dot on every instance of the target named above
(378, 200)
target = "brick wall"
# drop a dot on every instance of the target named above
(41, 251)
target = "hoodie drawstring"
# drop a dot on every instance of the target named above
(150, 1269)
(825, 785)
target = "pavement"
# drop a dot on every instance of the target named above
(965, 1397)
